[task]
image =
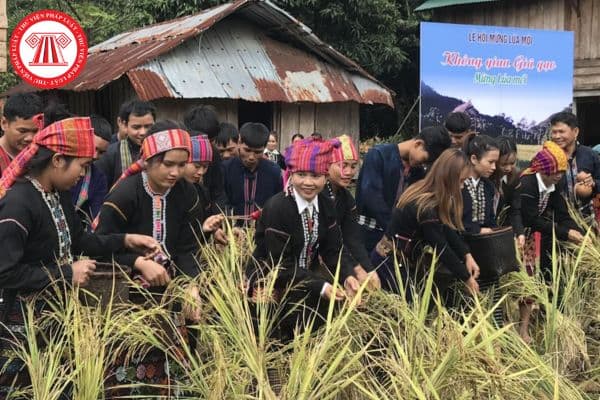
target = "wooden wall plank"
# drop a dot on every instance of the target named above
(290, 118)
(595, 31)
(306, 120)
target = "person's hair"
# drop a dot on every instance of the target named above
(440, 189)
(202, 120)
(254, 134)
(458, 122)
(274, 134)
(137, 108)
(162, 125)
(227, 132)
(101, 126)
(478, 145)
(567, 118)
(40, 161)
(297, 135)
(436, 140)
(507, 146)
(316, 135)
(55, 112)
(22, 105)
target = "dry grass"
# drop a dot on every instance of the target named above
(384, 348)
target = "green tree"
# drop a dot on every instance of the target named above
(380, 35)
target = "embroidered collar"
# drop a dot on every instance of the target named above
(159, 213)
(52, 200)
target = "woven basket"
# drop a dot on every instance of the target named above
(494, 252)
(101, 284)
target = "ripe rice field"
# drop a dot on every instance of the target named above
(380, 348)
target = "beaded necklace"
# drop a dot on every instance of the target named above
(159, 212)
(52, 200)
(477, 194)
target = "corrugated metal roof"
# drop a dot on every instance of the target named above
(237, 60)
(184, 58)
(430, 4)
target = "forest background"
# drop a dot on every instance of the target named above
(381, 35)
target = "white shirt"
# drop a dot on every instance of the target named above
(475, 181)
(542, 186)
(303, 203)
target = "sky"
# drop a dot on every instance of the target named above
(544, 92)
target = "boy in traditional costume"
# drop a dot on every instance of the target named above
(136, 119)
(388, 169)
(18, 125)
(250, 179)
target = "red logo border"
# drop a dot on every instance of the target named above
(17, 37)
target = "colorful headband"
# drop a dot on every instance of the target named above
(202, 150)
(346, 151)
(72, 137)
(310, 155)
(548, 161)
(157, 143)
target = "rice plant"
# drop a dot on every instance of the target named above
(382, 347)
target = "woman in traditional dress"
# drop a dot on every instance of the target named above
(298, 228)
(344, 164)
(41, 234)
(545, 216)
(479, 215)
(427, 219)
(152, 198)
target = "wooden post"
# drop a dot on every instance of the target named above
(3, 36)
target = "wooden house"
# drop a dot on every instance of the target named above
(249, 58)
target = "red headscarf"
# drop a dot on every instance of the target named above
(72, 137)
(310, 155)
(550, 160)
(159, 142)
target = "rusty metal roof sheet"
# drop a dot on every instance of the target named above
(184, 58)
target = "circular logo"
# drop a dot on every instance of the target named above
(48, 49)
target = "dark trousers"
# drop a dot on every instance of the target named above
(413, 278)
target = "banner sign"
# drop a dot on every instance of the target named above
(509, 80)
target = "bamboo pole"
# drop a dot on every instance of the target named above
(3, 36)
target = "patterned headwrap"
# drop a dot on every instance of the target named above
(548, 161)
(157, 143)
(310, 155)
(346, 151)
(72, 137)
(202, 150)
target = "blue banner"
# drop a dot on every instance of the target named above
(509, 80)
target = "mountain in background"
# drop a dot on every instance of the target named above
(435, 107)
